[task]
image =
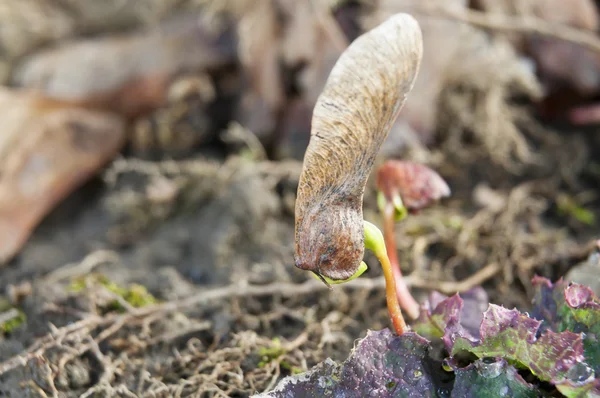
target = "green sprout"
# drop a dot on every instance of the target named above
(375, 242)
(361, 270)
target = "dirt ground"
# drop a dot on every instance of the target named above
(172, 275)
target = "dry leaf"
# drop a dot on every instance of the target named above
(28, 24)
(557, 61)
(285, 35)
(294, 135)
(128, 74)
(47, 149)
(259, 32)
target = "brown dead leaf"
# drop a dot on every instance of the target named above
(18, 19)
(320, 55)
(294, 135)
(47, 149)
(128, 74)
(312, 42)
(292, 36)
(259, 51)
(557, 61)
(27, 24)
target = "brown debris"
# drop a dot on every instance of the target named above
(280, 36)
(178, 127)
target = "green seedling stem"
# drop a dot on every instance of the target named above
(375, 242)
(392, 212)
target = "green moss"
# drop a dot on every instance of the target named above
(293, 369)
(77, 285)
(138, 296)
(14, 323)
(567, 205)
(275, 351)
(134, 294)
(268, 354)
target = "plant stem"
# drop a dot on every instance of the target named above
(391, 295)
(374, 241)
(406, 300)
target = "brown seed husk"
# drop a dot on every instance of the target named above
(361, 99)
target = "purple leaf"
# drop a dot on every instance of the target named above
(491, 377)
(575, 389)
(570, 306)
(476, 302)
(433, 323)
(461, 314)
(559, 347)
(511, 335)
(382, 365)
(581, 297)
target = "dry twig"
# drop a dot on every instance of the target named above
(449, 287)
(84, 267)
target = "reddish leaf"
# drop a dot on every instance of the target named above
(417, 185)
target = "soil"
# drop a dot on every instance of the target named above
(231, 225)
(210, 237)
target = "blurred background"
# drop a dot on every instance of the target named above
(150, 151)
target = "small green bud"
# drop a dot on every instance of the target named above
(400, 211)
(374, 239)
(361, 269)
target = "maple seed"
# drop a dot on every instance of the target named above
(362, 97)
